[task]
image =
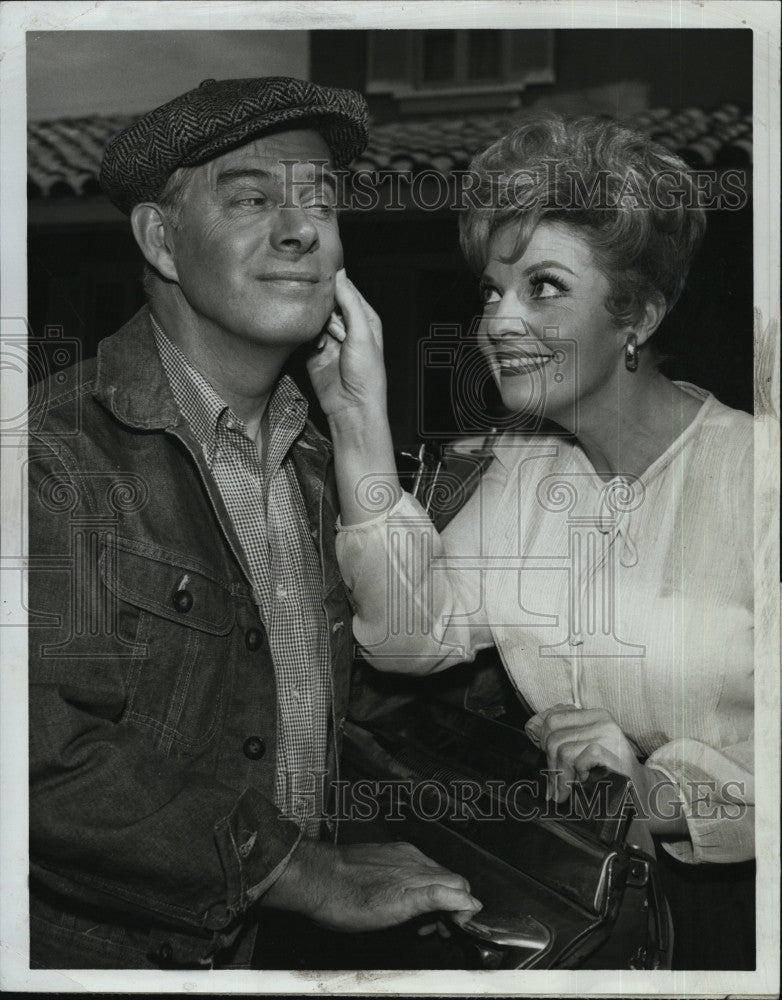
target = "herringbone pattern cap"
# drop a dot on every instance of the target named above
(218, 116)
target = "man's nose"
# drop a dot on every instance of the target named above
(294, 231)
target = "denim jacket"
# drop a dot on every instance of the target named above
(152, 688)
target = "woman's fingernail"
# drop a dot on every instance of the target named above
(321, 342)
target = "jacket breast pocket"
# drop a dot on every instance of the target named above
(180, 620)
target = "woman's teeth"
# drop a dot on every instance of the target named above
(521, 364)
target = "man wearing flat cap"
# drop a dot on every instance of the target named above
(190, 636)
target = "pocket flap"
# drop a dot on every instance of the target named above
(153, 583)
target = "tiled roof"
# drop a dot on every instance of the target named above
(64, 155)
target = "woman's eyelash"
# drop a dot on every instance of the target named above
(536, 280)
(547, 278)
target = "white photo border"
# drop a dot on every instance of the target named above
(18, 18)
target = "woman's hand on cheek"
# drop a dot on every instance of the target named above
(346, 367)
(577, 739)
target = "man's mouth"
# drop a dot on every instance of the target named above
(297, 277)
(520, 364)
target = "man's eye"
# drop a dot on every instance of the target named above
(254, 200)
(322, 208)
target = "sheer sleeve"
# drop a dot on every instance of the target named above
(717, 790)
(418, 596)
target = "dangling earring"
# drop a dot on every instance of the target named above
(631, 352)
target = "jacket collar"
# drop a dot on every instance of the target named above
(132, 383)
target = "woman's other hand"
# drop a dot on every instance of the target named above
(577, 739)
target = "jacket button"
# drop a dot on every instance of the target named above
(253, 639)
(183, 600)
(164, 953)
(254, 747)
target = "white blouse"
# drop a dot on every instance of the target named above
(634, 595)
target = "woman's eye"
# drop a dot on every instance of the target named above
(489, 294)
(545, 287)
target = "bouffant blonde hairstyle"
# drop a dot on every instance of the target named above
(634, 201)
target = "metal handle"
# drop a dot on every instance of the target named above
(522, 931)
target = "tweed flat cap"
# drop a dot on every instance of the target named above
(218, 116)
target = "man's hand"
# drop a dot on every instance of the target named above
(368, 886)
(346, 368)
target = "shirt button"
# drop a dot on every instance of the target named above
(281, 593)
(254, 748)
(183, 600)
(253, 639)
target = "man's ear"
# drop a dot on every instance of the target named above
(652, 313)
(149, 228)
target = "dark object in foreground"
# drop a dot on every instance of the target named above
(561, 887)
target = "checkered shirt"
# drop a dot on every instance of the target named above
(268, 513)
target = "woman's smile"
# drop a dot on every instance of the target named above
(512, 363)
(547, 305)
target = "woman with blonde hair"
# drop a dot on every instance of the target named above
(610, 561)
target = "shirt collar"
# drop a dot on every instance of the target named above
(206, 412)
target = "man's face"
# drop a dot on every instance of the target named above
(257, 246)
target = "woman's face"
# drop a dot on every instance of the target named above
(548, 338)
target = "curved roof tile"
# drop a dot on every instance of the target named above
(63, 155)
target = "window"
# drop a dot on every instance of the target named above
(438, 56)
(412, 65)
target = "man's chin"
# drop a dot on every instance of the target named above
(291, 327)
(285, 336)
